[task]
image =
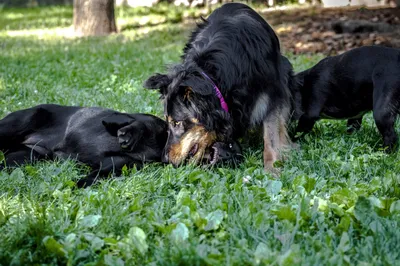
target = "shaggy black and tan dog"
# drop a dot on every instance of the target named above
(232, 77)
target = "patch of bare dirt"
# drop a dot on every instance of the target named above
(335, 30)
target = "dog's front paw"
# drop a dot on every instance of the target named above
(275, 172)
(270, 157)
(85, 182)
(125, 138)
(271, 167)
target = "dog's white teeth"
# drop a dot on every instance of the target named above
(214, 155)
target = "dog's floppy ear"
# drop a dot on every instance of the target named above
(158, 82)
(114, 122)
(198, 85)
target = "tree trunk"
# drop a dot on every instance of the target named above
(94, 17)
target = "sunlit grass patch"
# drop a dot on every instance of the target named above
(336, 202)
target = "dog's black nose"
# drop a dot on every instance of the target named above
(225, 155)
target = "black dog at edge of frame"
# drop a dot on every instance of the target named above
(349, 85)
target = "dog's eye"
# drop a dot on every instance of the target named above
(230, 146)
(177, 123)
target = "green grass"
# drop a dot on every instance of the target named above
(336, 202)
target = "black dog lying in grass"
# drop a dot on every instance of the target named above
(104, 139)
(349, 85)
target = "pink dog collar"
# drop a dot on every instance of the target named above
(224, 105)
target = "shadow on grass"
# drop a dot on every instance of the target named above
(35, 18)
(150, 24)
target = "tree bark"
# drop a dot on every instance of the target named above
(94, 17)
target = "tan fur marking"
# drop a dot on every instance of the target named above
(283, 134)
(276, 140)
(188, 92)
(197, 135)
(270, 143)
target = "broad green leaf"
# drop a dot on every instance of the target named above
(304, 181)
(321, 203)
(344, 244)
(376, 226)
(184, 198)
(95, 242)
(110, 241)
(124, 171)
(262, 252)
(285, 213)
(199, 221)
(137, 237)
(395, 207)
(70, 241)
(274, 187)
(344, 224)
(305, 208)
(365, 213)
(260, 218)
(344, 196)
(90, 221)
(111, 260)
(195, 175)
(54, 247)
(180, 233)
(336, 209)
(214, 219)
(290, 257)
(18, 175)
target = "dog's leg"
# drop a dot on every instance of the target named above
(306, 123)
(312, 111)
(19, 156)
(110, 165)
(15, 126)
(386, 106)
(354, 125)
(272, 136)
(310, 116)
(385, 123)
(284, 138)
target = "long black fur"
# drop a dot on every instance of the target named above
(90, 135)
(240, 52)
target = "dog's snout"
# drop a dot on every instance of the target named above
(225, 155)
